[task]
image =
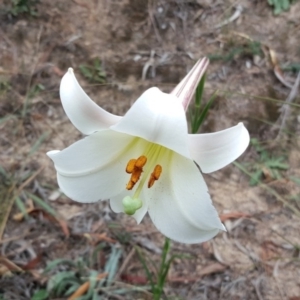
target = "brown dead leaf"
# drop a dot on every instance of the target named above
(268, 251)
(208, 270)
(267, 174)
(233, 215)
(56, 70)
(273, 58)
(95, 238)
(4, 271)
(9, 265)
(213, 268)
(277, 70)
(84, 287)
(134, 279)
(69, 211)
(63, 224)
(37, 117)
(33, 263)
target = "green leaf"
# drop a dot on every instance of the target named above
(111, 267)
(72, 289)
(40, 295)
(42, 204)
(295, 179)
(255, 178)
(39, 142)
(199, 91)
(144, 264)
(293, 67)
(61, 261)
(280, 5)
(56, 280)
(86, 72)
(21, 206)
(63, 286)
(204, 112)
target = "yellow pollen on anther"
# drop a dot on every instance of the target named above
(136, 174)
(154, 175)
(130, 166)
(141, 161)
(135, 168)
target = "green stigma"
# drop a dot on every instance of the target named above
(131, 205)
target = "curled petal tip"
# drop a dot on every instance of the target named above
(223, 227)
(82, 111)
(186, 88)
(52, 152)
(213, 151)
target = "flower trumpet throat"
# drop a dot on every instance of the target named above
(135, 168)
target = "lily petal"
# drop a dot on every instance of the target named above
(187, 86)
(213, 151)
(83, 112)
(93, 169)
(159, 118)
(180, 206)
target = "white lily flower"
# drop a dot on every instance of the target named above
(145, 161)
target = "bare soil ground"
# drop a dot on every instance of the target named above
(142, 44)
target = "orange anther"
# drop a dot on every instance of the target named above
(151, 181)
(157, 171)
(136, 174)
(154, 175)
(130, 185)
(130, 166)
(135, 168)
(141, 161)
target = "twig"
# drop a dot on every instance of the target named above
(151, 16)
(285, 110)
(125, 263)
(5, 207)
(234, 17)
(14, 238)
(275, 276)
(256, 286)
(148, 64)
(25, 183)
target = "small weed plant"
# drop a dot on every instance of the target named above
(267, 165)
(22, 7)
(93, 73)
(280, 5)
(233, 50)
